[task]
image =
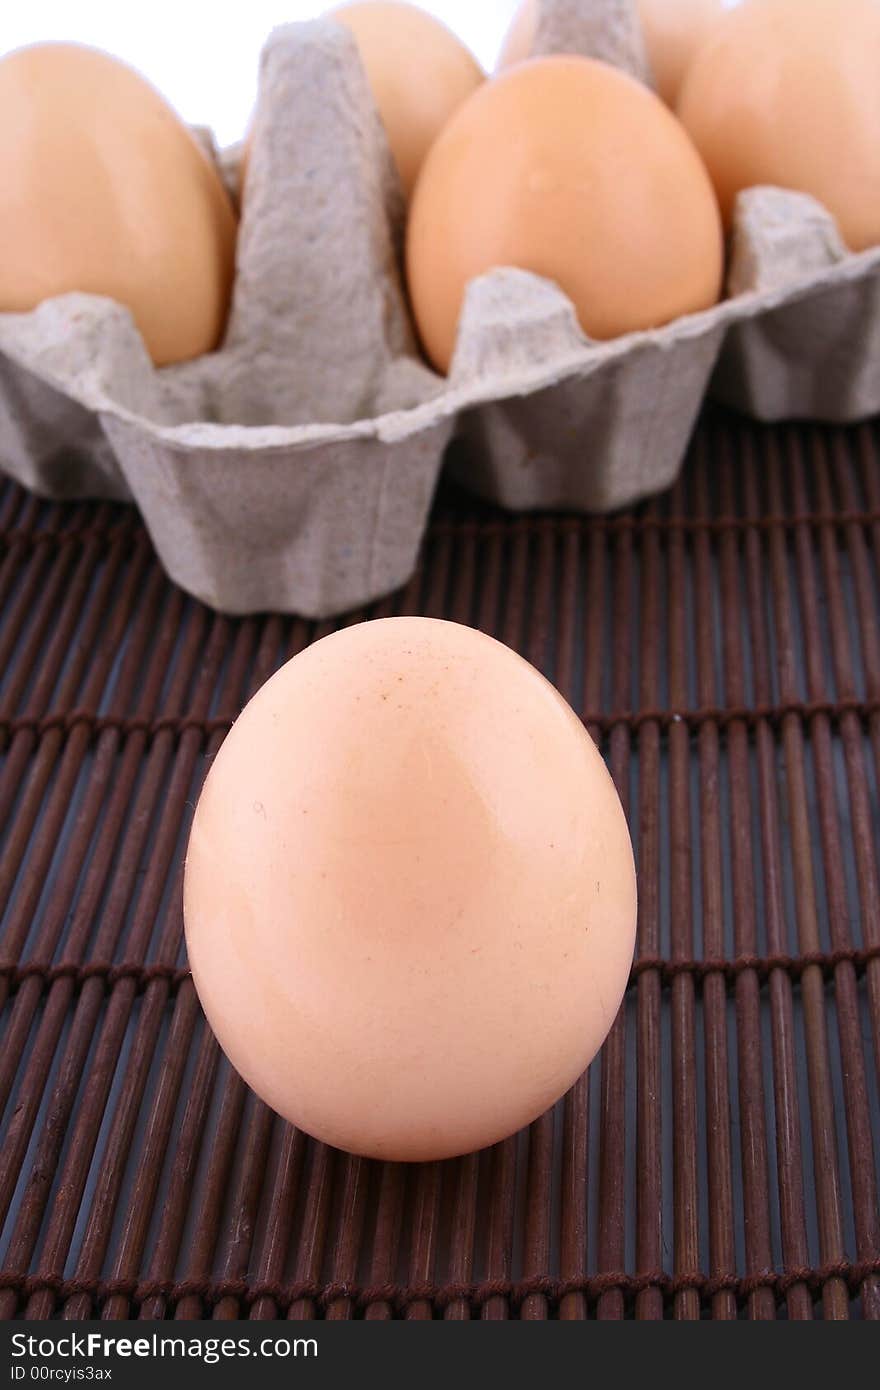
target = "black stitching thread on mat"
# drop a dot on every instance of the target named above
(566, 525)
(476, 1295)
(770, 521)
(694, 719)
(88, 531)
(69, 720)
(108, 971)
(762, 966)
(750, 715)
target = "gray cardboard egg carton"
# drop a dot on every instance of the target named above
(293, 469)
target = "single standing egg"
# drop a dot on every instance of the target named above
(568, 168)
(787, 93)
(419, 73)
(104, 190)
(409, 896)
(673, 30)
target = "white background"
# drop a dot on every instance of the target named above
(202, 54)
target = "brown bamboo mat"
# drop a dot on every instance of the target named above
(719, 1160)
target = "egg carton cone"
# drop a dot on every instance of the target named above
(293, 469)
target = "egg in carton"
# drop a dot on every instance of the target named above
(293, 469)
(600, 425)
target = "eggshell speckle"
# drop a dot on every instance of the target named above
(573, 170)
(419, 72)
(787, 93)
(409, 896)
(104, 190)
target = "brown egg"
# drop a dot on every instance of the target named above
(568, 168)
(673, 30)
(787, 93)
(419, 72)
(104, 190)
(520, 38)
(409, 897)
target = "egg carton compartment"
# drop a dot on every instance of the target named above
(293, 468)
